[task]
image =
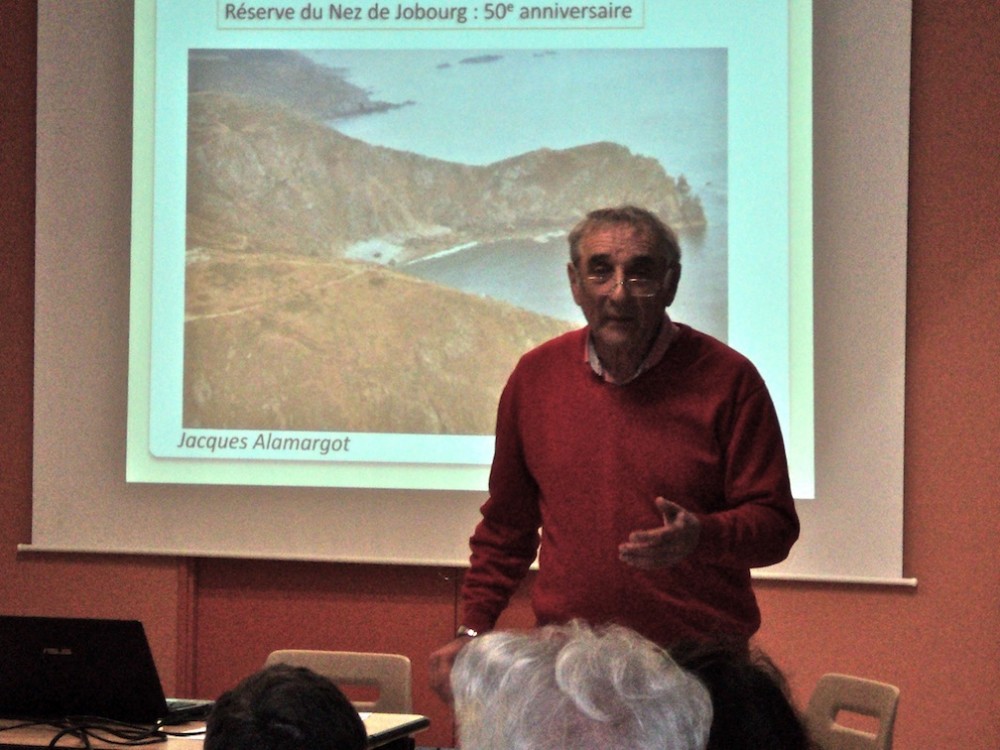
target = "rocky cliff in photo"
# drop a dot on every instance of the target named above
(289, 326)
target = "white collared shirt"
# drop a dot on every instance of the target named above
(663, 340)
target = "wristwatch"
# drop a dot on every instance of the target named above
(465, 632)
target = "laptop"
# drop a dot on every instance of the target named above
(52, 668)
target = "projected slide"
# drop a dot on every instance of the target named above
(350, 219)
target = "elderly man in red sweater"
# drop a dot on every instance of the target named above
(648, 455)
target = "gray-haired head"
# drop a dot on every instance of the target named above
(644, 222)
(573, 686)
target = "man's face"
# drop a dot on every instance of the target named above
(619, 319)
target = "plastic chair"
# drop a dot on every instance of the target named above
(838, 692)
(390, 674)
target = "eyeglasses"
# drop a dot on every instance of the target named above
(637, 286)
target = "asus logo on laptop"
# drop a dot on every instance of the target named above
(53, 651)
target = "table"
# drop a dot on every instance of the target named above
(382, 728)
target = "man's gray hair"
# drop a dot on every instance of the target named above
(573, 686)
(643, 221)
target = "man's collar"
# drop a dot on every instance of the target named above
(659, 348)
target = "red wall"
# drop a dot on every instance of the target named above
(212, 621)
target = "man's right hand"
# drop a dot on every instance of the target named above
(441, 662)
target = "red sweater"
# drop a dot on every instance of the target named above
(584, 460)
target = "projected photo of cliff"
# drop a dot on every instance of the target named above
(374, 237)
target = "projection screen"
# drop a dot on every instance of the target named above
(280, 507)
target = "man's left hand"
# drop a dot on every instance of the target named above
(665, 545)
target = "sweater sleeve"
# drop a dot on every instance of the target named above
(505, 541)
(757, 524)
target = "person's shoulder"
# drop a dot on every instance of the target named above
(547, 367)
(570, 343)
(697, 349)
(705, 345)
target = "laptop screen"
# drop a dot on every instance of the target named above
(55, 667)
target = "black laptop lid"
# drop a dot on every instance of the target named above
(54, 667)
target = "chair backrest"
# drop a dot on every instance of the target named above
(838, 692)
(390, 674)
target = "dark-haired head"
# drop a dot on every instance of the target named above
(284, 708)
(752, 709)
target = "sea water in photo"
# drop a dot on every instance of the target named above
(479, 107)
